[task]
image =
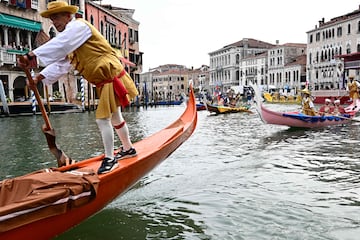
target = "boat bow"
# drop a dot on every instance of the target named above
(151, 152)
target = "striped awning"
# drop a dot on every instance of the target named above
(21, 23)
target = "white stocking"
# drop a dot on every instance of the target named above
(107, 135)
(121, 129)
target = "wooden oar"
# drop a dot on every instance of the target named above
(49, 132)
(346, 118)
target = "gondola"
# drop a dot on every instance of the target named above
(216, 109)
(297, 119)
(63, 197)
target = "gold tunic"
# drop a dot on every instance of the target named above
(306, 109)
(97, 61)
(353, 90)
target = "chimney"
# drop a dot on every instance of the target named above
(246, 43)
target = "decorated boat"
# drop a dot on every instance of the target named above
(172, 102)
(46, 203)
(281, 99)
(200, 106)
(219, 109)
(300, 120)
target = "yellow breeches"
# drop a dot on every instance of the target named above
(108, 103)
(130, 86)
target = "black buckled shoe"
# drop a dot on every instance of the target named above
(107, 165)
(126, 154)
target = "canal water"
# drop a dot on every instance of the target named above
(235, 178)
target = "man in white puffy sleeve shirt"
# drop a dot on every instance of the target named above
(80, 45)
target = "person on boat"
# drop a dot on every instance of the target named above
(82, 46)
(308, 107)
(337, 109)
(353, 88)
(326, 109)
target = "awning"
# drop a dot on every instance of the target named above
(21, 23)
(351, 61)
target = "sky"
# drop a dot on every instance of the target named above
(184, 32)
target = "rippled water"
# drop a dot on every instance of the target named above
(235, 178)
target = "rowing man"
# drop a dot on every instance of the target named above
(81, 45)
(353, 88)
(308, 107)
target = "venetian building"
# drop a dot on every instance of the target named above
(128, 40)
(340, 35)
(285, 68)
(169, 82)
(20, 25)
(225, 62)
(253, 69)
(200, 78)
(23, 29)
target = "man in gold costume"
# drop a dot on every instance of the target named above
(307, 103)
(80, 45)
(353, 88)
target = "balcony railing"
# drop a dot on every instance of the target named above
(8, 56)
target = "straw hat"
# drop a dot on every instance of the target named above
(327, 100)
(58, 7)
(351, 77)
(305, 90)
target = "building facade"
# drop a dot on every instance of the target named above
(23, 29)
(340, 35)
(224, 63)
(286, 68)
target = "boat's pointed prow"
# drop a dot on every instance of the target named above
(39, 220)
(258, 99)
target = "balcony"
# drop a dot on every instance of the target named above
(8, 56)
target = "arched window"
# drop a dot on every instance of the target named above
(102, 28)
(348, 50)
(237, 58)
(92, 20)
(120, 44)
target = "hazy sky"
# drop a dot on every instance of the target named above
(185, 31)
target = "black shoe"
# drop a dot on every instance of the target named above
(108, 165)
(126, 154)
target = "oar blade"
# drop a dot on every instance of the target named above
(61, 158)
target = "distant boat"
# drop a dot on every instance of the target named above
(299, 120)
(25, 108)
(172, 102)
(217, 109)
(282, 99)
(200, 106)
